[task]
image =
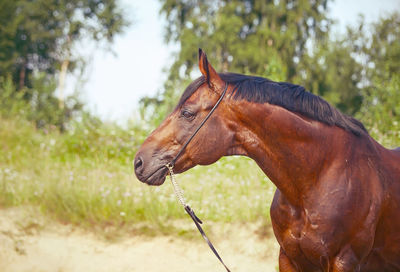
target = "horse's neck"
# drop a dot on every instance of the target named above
(291, 150)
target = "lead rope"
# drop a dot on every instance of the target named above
(178, 191)
(179, 194)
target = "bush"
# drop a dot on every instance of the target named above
(381, 109)
(12, 102)
(38, 104)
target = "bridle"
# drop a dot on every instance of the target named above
(178, 190)
(172, 162)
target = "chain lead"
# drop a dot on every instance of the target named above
(179, 194)
(178, 191)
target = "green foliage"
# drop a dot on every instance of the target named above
(382, 48)
(12, 103)
(381, 109)
(93, 141)
(38, 103)
(333, 73)
(37, 46)
(37, 35)
(243, 36)
(153, 110)
(356, 72)
(379, 52)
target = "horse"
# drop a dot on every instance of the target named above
(337, 202)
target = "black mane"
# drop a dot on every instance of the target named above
(289, 96)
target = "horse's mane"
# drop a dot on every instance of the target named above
(289, 96)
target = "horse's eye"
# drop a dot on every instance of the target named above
(187, 114)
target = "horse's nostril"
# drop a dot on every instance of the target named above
(138, 163)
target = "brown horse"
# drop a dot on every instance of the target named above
(337, 203)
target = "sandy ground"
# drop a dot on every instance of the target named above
(28, 242)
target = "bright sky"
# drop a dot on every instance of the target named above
(117, 82)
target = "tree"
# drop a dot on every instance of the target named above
(246, 35)
(332, 71)
(39, 36)
(381, 49)
(266, 38)
(380, 55)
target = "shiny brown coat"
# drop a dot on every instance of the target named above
(337, 203)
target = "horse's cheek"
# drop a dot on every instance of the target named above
(208, 153)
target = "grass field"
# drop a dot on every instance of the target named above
(85, 177)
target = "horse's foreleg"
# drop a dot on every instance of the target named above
(345, 261)
(285, 265)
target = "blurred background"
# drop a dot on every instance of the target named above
(83, 82)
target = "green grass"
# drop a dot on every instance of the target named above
(85, 177)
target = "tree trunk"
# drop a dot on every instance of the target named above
(22, 75)
(61, 82)
(63, 72)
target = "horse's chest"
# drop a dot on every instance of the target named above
(300, 239)
(304, 248)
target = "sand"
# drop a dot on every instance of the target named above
(29, 242)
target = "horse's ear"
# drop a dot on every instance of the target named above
(213, 80)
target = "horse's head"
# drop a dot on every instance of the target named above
(211, 142)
